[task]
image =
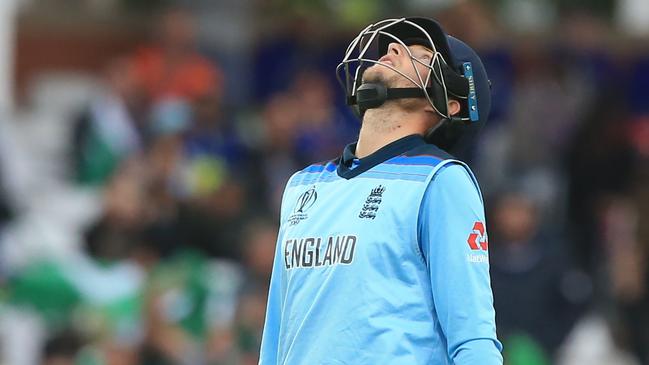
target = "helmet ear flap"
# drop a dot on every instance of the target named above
(447, 134)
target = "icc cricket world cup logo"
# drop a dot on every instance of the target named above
(303, 203)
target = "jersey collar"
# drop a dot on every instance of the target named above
(386, 152)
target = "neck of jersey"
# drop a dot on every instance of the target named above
(350, 166)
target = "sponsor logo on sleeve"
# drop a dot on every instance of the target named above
(479, 243)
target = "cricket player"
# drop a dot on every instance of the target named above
(382, 254)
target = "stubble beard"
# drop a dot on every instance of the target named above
(374, 76)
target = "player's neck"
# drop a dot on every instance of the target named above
(383, 126)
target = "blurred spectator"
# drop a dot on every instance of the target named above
(599, 164)
(545, 108)
(531, 276)
(276, 153)
(62, 349)
(108, 131)
(322, 130)
(259, 251)
(190, 307)
(98, 293)
(199, 175)
(171, 67)
(627, 266)
(212, 152)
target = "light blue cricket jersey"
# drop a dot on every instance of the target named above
(383, 263)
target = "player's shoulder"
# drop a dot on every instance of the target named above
(322, 166)
(455, 177)
(431, 151)
(316, 172)
(445, 168)
(422, 155)
(419, 162)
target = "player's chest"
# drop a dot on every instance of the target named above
(349, 222)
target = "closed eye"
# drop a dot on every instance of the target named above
(425, 58)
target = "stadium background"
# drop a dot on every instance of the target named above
(144, 145)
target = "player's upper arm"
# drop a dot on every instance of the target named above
(453, 239)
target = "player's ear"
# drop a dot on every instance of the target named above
(453, 107)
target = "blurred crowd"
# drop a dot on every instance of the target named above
(146, 234)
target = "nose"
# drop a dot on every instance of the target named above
(395, 48)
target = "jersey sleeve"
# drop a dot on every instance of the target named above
(271, 335)
(453, 241)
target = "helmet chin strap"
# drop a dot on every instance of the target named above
(373, 95)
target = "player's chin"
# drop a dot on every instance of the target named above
(378, 74)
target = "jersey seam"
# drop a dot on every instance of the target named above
(427, 182)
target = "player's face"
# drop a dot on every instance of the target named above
(398, 57)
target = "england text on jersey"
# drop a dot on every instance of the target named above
(317, 251)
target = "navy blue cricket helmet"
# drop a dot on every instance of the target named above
(454, 72)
